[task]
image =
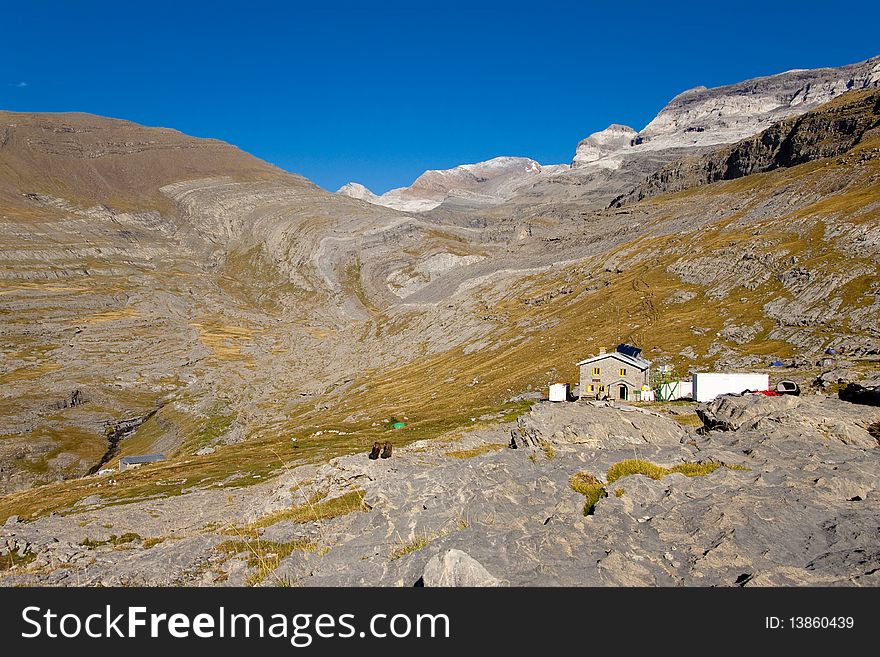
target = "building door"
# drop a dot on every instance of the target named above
(623, 392)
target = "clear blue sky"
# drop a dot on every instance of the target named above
(379, 91)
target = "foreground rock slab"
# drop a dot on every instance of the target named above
(795, 503)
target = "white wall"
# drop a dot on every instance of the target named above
(673, 390)
(559, 392)
(708, 385)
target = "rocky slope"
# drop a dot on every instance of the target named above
(795, 502)
(238, 289)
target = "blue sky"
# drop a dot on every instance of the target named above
(377, 92)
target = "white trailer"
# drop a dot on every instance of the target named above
(559, 392)
(709, 385)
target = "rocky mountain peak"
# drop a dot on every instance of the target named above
(358, 191)
(702, 117)
(599, 145)
(706, 117)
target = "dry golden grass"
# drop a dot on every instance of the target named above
(689, 420)
(590, 487)
(29, 372)
(226, 341)
(406, 547)
(654, 471)
(476, 451)
(315, 509)
(264, 556)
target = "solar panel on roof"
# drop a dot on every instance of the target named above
(629, 350)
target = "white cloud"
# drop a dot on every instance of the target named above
(21, 84)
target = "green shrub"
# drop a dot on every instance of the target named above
(114, 540)
(8, 561)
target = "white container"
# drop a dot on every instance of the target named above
(709, 385)
(558, 392)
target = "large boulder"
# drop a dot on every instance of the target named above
(858, 394)
(734, 412)
(813, 418)
(456, 568)
(595, 424)
(838, 375)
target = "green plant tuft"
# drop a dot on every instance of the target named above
(405, 548)
(590, 487)
(654, 471)
(11, 560)
(476, 451)
(264, 556)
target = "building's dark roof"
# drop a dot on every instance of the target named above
(146, 458)
(629, 350)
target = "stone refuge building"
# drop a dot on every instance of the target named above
(618, 374)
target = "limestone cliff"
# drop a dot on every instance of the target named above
(828, 131)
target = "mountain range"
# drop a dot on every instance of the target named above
(694, 120)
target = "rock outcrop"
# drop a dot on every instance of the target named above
(723, 115)
(605, 148)
(456, 568)
(859, 394)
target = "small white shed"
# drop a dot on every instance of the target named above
(558, 392)
(709, 385)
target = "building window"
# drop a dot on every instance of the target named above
(601, 388)
(597, 371)
(591, 388)
(622, 371)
